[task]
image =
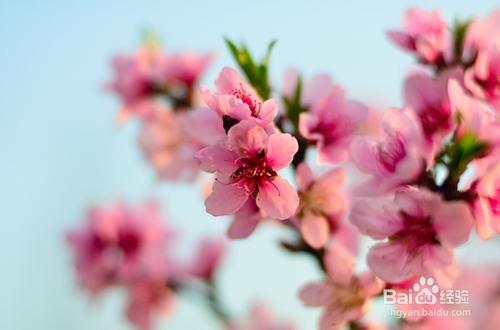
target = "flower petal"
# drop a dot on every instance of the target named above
(281, 147)
(315, 230)
(316, 294)
(216, 159)
(375, 217)
(225, 199)
(339, 263)
(389, 261)
(453, 223)
(277, 198)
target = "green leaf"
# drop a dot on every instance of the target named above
(458, 31)
(256, 73)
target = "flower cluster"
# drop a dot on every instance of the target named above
(417, 179)
(132, 248)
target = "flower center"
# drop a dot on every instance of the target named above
(128, 242)
(435, 118)
(313, 200)
(416, 232)
(348, 297)
(252, 170)
(494, 202)
(247, 98)
(391, 152)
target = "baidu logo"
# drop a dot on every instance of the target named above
(423, 292)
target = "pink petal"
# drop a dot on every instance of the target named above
(316, 89)
(304, 176)
(390, 261)
(268, 111)
(316, 294)
(247, 138)
(364, 154)
(438, 262)
(277, 198)
(377, 218)
(216, 159)
(339, 263)
(307, 122)
(453, 223)
(242, 226)
(333, 178)
(225, 199)
(401, 39)
(281, 147)
(332, 319)
(315, 230)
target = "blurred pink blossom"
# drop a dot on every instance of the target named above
(135, 79)
(428, 98)
(246, 166)
(393, 161)
(208, 258)
(422, 231)
(312, 91)
(483, 79)
(120, 244)
(475, 117)
(321, 199)
(147, 300)
(424, 33)
(483, 33)
(330, 123)
(170, 139)
(261, 319)
(343, 295)
(486, 206)
(185, 69)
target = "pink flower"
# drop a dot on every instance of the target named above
(185, 69)
(120, 245)
(147, 301)
(483, 33)
(428, 98)
(321, 199)
(135, 80)
(313, 91)
(170, 139)
(260, 319)
(208, 258)
(331, 124)
(394, 161)
(238, 100)
(425, 34)
(486, 206)
(483, 79)
(343, 295)
(421, 230)
(245, 220)
(246, 166)
(475, 117)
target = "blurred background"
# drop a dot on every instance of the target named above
(61, 148)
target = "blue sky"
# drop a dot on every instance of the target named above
(61, 149)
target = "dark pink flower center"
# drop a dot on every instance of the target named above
(490, 85)
(129, 242)
(252, 171)
(391, 152)
(416, 232)
(248, 99)
(435, 118)
(494, 202)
